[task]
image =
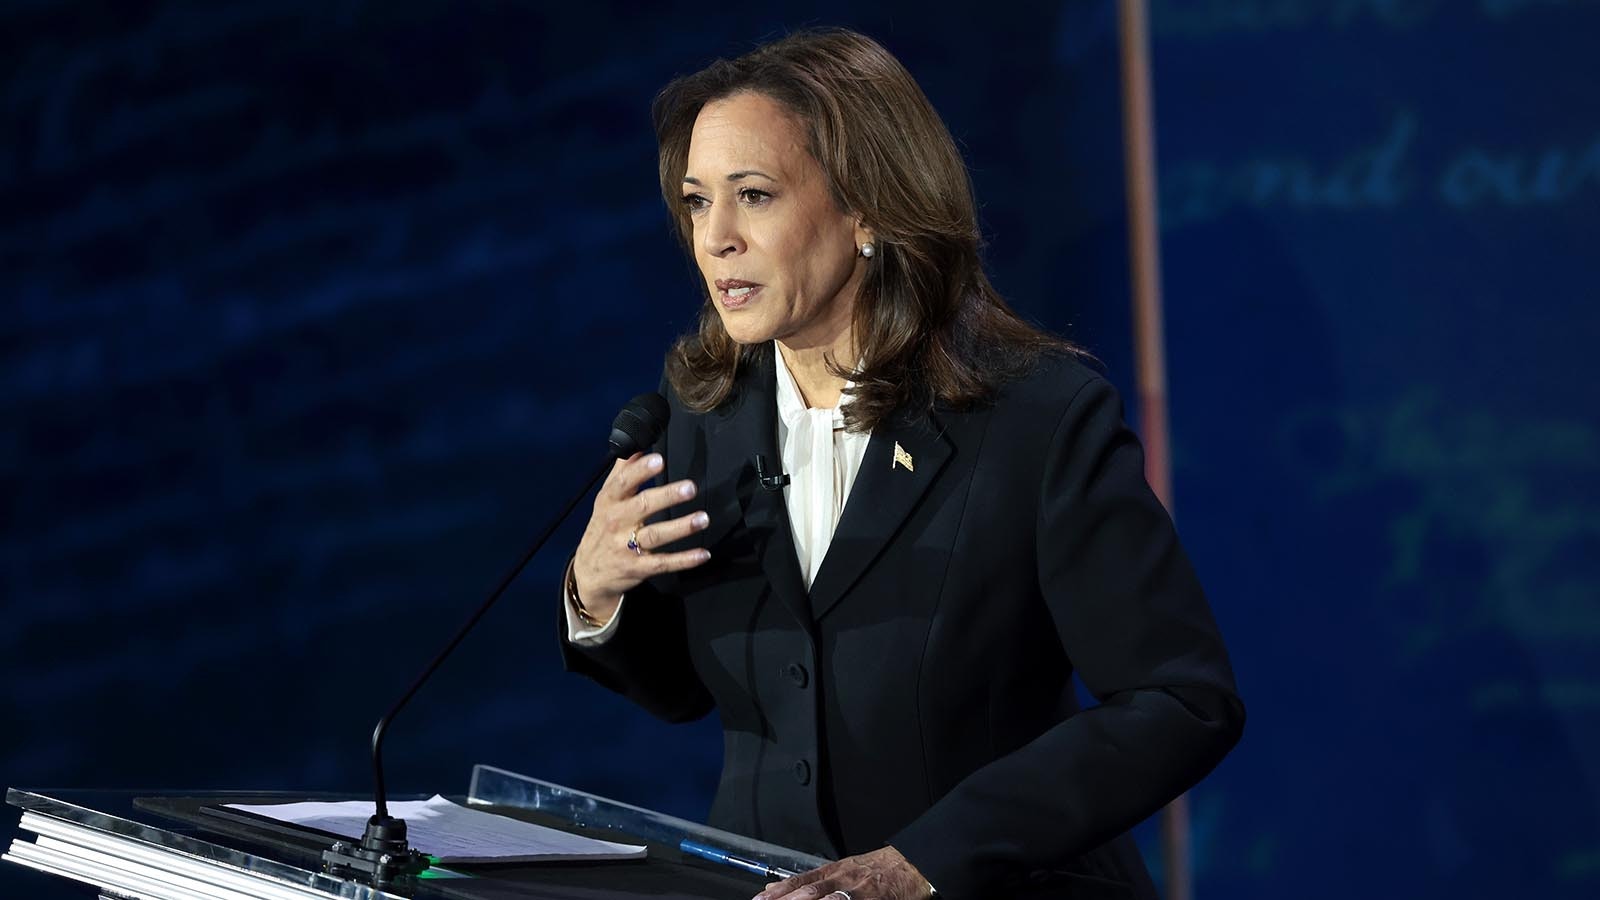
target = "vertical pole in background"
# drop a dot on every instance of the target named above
(1138, 135)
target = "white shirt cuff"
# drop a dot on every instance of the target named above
(582, 633)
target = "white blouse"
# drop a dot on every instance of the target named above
(821, 459)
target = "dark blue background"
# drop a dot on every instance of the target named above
(312, 311)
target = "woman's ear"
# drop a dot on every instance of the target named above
(864, 238)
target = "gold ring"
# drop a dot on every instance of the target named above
(633, 543)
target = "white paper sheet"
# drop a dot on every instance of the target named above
(451, 832)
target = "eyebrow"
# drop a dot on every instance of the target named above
(733, 176)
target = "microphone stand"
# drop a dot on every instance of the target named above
(383, 854)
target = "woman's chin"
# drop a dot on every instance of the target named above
(743, 332)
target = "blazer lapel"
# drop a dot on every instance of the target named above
(903, 458)
(750, 427)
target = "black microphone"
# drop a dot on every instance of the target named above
(383, 854)
(639, 425)
(771, 482)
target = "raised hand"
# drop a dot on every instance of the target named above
(614, 555)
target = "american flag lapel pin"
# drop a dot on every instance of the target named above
(902, 458)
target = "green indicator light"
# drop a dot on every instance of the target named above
(438, 873)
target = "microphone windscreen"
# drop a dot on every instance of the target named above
(639, 425)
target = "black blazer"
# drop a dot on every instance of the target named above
(919, 694)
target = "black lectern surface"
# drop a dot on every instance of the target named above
(166, 844)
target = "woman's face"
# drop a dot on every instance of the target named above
(777, 253)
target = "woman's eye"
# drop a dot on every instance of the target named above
(695, 202)
(753, 196)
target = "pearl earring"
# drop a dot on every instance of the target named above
(867, 250)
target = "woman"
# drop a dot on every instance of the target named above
(892, 519)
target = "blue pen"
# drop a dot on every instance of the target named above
(705, 851)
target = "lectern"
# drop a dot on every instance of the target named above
(189, 846)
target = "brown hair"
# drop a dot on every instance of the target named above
(929, 326)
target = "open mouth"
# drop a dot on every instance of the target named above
(735, 293)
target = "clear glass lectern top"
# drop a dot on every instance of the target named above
(497, 787)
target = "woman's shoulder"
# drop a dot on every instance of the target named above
(1056, 378)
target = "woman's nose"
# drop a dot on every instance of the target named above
(722, 235)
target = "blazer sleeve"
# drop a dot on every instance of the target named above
(1133, 620)
(646, 659)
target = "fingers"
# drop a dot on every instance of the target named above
(648, 502)
(661, 534)
(627, 498)
(627, 475)
(816, 890)
(662, 563)
(604, 562)
(817, 883)
(790, 887)
(880, 875)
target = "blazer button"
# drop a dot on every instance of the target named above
(802, 772)
(797, 674)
